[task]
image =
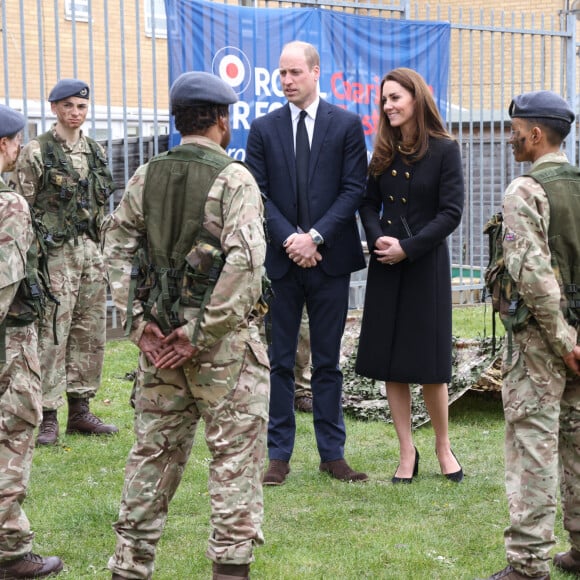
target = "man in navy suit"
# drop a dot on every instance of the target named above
(313, 246)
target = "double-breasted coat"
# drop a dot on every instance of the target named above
(406, 326)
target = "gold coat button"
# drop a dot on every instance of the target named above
(404, 200)
(407, 175)
(389, 222)
(394, 173)
(391, 199)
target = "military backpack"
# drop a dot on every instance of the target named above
(561, 182)
(499, 285)
(30, 302)
(179, 263)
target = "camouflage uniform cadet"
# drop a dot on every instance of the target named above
(225, 382)
(302, 372)
(541, 397)
(76, 267)
(20, 394)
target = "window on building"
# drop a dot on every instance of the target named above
(32, 129)
(101, 135)
(77, 10)
(155, 18)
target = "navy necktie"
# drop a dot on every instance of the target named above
(302, 159)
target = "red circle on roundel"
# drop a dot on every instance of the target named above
(232, 70)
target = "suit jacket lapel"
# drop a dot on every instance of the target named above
(286, 136)
(321, 125)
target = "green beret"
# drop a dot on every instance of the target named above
(541, 105)
(11, 121)
(192, 88)
(66, 88)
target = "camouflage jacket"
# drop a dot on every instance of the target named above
(28, 176)
(233, 214)
(527, 256)
(16, 235)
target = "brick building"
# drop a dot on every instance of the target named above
(119, 48)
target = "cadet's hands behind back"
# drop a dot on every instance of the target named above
(176, 350)
(151, 342)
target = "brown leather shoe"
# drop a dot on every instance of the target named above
(510, 573)
(303, 404)
(81, 420)
(276, 473)
(339, 469)
(48, 429)
(568, 561)
(30, 566)
(231, 571)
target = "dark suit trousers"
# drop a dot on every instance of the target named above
(326, 299)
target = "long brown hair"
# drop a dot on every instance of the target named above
(427, 116)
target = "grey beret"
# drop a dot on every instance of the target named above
(66, 88)
(541, 105)
(191, 88)
(11, 121)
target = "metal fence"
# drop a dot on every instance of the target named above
(119, 47)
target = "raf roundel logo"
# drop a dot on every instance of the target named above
(233, 67)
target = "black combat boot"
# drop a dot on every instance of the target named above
(82, 421)
(568, 561)
(231, 571)
(48, 430)
(30, 566)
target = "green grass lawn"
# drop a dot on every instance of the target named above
(475, 322)
(315, 527)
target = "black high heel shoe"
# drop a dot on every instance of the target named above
(396, 479)
(456, 476)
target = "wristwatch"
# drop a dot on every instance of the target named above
(316, 237)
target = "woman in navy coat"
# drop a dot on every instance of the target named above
(413, 202)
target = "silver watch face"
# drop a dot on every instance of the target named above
(316, 238)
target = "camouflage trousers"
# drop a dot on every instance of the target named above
(20, 412)
(542, 449)
(74, 365)
(228, 387)
(302, 372)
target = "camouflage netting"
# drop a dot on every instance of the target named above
(474, 367)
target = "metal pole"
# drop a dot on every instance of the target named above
(571, 96)
(5, 52)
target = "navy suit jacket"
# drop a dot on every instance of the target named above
(337, 179)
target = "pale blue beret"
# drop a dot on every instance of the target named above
(66, 88)
(541, 105)
(191, 88)
(11, 121)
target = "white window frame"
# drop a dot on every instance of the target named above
(160, 19)
(81, 10)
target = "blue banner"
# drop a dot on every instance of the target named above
(242, 45)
